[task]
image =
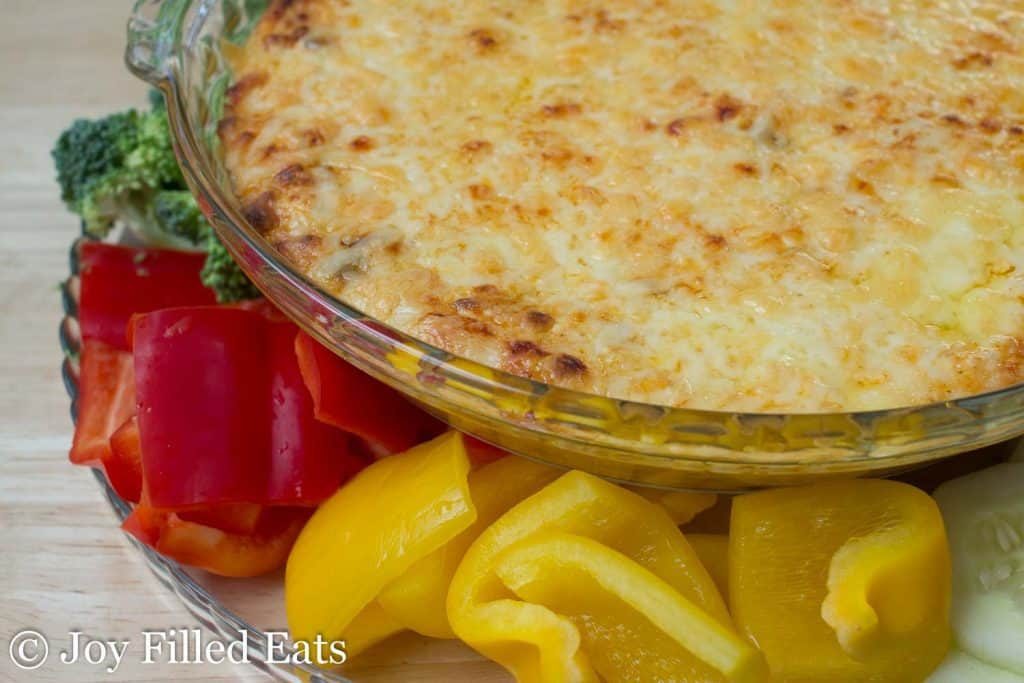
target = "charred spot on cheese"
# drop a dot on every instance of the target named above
(561, 109)
(244, 86)
(990, 125)
(226, 126)
(299, 250)
(604, 22)
(524, 357)
(362, 143)
(260, 213)
(973, 60)
(539, 321)
(477, 147)
(738, 206)
(523, 347)
(675, 127)
(483, 40)
(568, 366)
(727, 107)
(313, 137)
(466, 304)
(293, 174)
(286, 39)
(280, 9)
(715, 241)
(480, 191)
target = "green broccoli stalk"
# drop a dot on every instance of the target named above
(222, 274)
(121, 169)
(177, 213)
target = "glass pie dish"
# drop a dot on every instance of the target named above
(177, 46)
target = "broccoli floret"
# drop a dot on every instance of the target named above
(222, 274)
(109, 168)
(177, 213)
(121, 169)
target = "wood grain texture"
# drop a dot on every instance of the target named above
(64, 564)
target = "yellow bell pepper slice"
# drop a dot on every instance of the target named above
(389, 516)
(591, 584)
(417, 598)
(369, 627)
(713, 551)
(643, 553)
(714, 520)
(681, 506)
(859, 573)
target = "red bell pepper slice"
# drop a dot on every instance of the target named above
(349, 399)
(124, 471)
(226, 553)
(224, 416)
(481, 452)
(124, 462)
(235, 518)
(117, 282)
(106, 385)
(310, 459)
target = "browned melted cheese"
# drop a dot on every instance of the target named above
(778, 205)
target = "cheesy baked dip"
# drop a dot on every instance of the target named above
(758, 206)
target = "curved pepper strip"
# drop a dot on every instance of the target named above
(681, 506)
(537, 643)
(220, 552)
(861, 571)
(241, 429)
(123, 465)
(389, 516)
(604, 592)
(713, 551)
(116, 282)
(347, 398)
(371, 626)
(417, 598)
(106, 382)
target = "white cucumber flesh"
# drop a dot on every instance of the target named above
(962, 668)
(984, 516)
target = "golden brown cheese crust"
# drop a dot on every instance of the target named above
(750, 206)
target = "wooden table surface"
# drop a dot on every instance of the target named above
(64, 564)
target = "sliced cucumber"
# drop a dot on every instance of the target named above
(961, 668)
(984, 515)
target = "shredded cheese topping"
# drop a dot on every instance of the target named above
(761, 206)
